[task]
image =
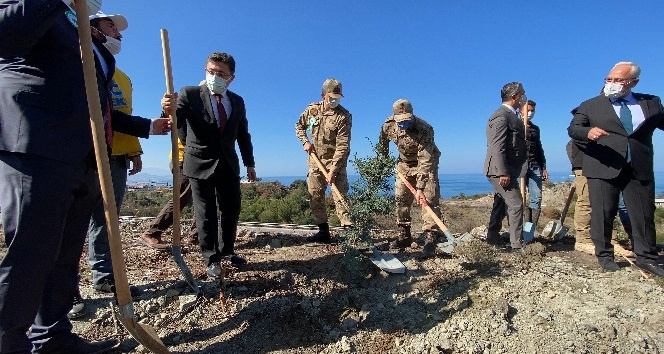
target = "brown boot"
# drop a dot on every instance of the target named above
(153, 243)
(404, 239)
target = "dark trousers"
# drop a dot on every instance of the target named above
(639, 199)
(222, 189)
(165, 218)
(46, 207)
(498, 213)
(511, 195)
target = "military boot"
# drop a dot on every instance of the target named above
(430, 243)
(404, 239)
(323, 234)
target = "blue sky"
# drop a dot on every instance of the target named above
(449, 58)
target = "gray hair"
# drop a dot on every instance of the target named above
(510, 89)
(634, 71)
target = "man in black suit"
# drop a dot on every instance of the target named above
(210, 120)
(47, 172)
(618, 126)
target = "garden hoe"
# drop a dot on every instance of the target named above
(384, 261)
(447, 247)
(176, 249)
(555, 229)
(144, 334)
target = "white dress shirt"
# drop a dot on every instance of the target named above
(637, 112)
(227, 106)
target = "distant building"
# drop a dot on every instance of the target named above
(659, 202)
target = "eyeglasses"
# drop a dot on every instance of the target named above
(220, 74)
(617, 80)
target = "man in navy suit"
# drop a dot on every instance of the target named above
(210, 120)
(47, 172)
(618, 126)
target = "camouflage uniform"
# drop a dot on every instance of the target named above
(330, 136)
(418, 162)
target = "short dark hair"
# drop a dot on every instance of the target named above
(509, 90)
(532, 103)
(224, 58)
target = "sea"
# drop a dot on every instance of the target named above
(453, 185)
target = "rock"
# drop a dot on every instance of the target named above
(186, 301)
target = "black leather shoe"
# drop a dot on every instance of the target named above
(320, 237)
(608, 264)
(108, 286)
(651, 267)
(78, 309)
(237, 260)
(214, 271)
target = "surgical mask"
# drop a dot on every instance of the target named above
(613, 90)
(94, 6)
(531, 115)
(113, 45)
(404, 125)
(333, 102)
(216, 84)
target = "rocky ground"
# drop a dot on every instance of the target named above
(294, 297)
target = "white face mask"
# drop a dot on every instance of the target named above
(113, 45)
(531, 115)
(94, 6)
(216, 84)
(333, 102)
(614, 90)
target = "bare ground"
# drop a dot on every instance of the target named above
(297, 298)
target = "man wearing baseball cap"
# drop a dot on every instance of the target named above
(418, 162)
(329, 125)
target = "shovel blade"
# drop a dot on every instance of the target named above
(561, 233)
(387, 262)
(528, 232)
(144, 334)
(188, 277)
(447, 247)
(551, 229)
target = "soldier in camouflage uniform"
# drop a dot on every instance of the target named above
(329, 124)
(418, 162)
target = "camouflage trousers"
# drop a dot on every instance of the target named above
(404, 200)
(317, 185)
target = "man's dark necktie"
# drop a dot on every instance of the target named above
(222, 113)
(626, 120)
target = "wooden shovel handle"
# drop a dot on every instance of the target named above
(568, 201)
(424, 204)
(101, 154)
(175, 150)
(335, 190)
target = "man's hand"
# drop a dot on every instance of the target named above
(419, 196)
(160, 126)
(545, 175)
(169, 103)
(504, 181)
(136, 164)
(251, 174)
(308, 148)
(595, 133)
(331, 177)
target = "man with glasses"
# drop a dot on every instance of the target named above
(210, 120)
(618, 126)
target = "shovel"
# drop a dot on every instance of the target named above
(447, 247)
(176, 249)
(554, 229)
(384, 261)
(144, 334)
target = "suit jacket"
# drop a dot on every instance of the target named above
(606, 157)
(43, 105)
(506, 145)
(204, 144)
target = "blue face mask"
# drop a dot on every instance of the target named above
(404, 125)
